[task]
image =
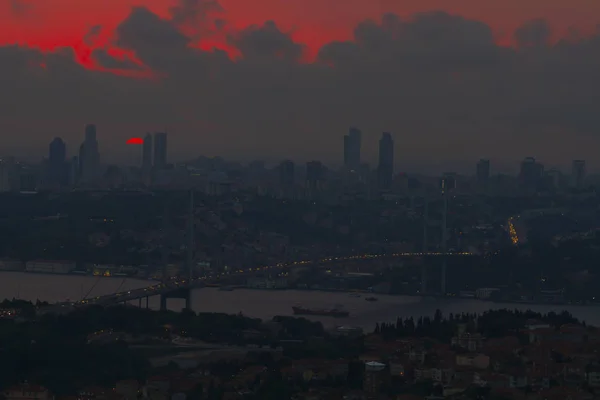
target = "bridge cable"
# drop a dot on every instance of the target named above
(122, 282)
(92, 288)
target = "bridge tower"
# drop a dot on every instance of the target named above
(425, 244)
(444, 237)
(185, 292)
(190, 249)
(164, 248)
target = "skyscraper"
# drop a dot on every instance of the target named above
(578, 173)
(531, 173)
(147, 153)
(385, 167)
(315, 175)
(89, 156)
(352, 143)
(57, 151)
(57, 166)
(160, 150)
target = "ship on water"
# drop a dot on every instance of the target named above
(336, 312)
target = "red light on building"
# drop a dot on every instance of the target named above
(135, 140)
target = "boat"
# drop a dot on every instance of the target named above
(333, 312)
(371, 298)
(354, 295)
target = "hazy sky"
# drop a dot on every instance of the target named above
(453, 80)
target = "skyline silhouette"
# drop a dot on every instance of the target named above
(451, 89)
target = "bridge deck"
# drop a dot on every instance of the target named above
(179, 284)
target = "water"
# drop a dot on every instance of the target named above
(264, 304)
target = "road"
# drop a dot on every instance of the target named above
(183, 283)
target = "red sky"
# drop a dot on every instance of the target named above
(51, 23)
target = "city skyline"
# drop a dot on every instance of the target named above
(351, 150)
(450, 97)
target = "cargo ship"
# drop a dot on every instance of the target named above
(333, 312)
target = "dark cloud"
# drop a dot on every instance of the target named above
(194, 12)
(535, 33)
(266, 43)
(91, 35)
(438, 81)
(157, 42)
(107, 61)
(20, 8)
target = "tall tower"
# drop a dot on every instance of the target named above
(160, 150)
(385, 168)
(147, 153)
(352, 144)
(425, 244)
(89, 155)
(57, 166)
(444, 234)
(190, 243)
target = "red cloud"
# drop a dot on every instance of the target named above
(58, 23)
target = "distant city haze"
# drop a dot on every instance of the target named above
(452, 83)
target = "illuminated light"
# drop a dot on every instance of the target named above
(135, 140)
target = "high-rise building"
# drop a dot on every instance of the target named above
(147, 153)
(58, 173)
(448, 181)
(57, 151)
(160, 150)
(89, 156)
(554, 179)
(315, 175)
(531, 173)
(286, 173)
(578, 173)
(385, 167)
(375, 377)
(352, 143)
(483, 172)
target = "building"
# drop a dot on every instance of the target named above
(89, 155)
(58, 172)
(448, 181)
(50, 267)
(27, 392)
(160, 151)
(147, 153)
(530, 173)
(352, 144)
(375, 377)
(483, 172)
(554, 178)
(315, 175)
(578, 173)
(385, 167)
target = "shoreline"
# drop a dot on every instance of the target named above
(332, 290)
